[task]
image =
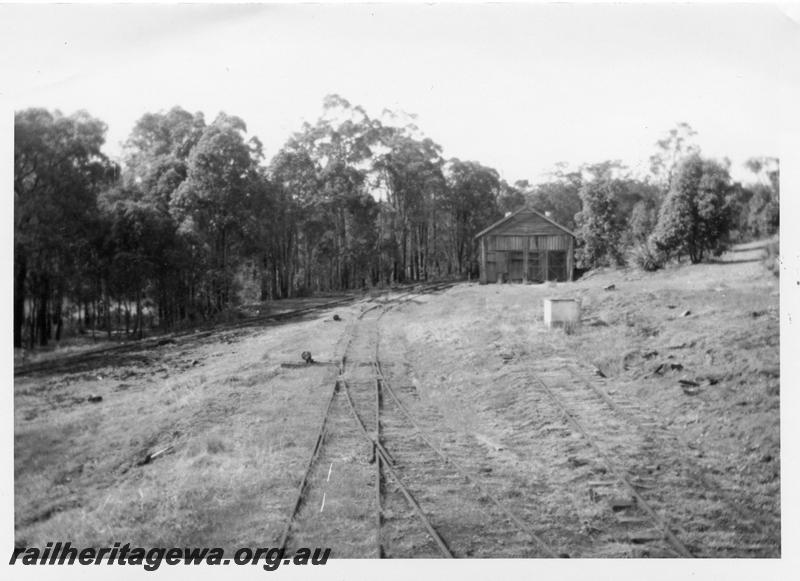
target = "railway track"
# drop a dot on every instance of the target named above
(462, 516)
(373, 464)
(418, 500)
(100, 355)
(661, 507)
(744, 535)
(342, 460)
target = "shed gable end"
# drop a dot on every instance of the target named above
(527, 223)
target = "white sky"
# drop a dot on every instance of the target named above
(517, 87)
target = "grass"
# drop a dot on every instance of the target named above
(241, 427)
(461, 342)
(237, 424)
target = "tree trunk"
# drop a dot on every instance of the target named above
(31, 322)
(139, 312)
(20, 272)
(107, 306)
(274, 281)
(404, 255)
(263, 294)
(44, 291)
(58, 315)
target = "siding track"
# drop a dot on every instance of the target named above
(662, 501)
(411, 496)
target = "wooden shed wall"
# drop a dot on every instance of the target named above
(534, 242)
(527, 224)
(527, 247)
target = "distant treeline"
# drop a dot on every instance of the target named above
(194, 214)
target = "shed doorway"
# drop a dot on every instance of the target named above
(535, 267)
(557, 265)
(515, 266)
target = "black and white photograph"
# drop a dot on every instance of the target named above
(300, 288)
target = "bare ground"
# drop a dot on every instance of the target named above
(238, 428)
(476, 352)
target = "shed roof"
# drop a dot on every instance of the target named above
(513, 214)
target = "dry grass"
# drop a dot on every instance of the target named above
(466, 343)
(241, 427)
(237, 424)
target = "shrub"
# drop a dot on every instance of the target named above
(645, 256)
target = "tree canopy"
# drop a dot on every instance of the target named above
(195, 221)
(58, 171)
(695, 217)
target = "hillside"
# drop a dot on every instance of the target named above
(203, 441)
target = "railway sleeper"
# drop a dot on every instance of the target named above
(643, 536)
(632, 521)
(620, 503)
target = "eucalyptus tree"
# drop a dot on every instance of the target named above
(140, 246)
(600, 223)
(297, 225)
(321, 173)
(211, 205)
(695, 217)
(411, 172)
(559, 198)
(471, 204)
(678, 144)
(59, 169)
(157, 154)
(156, 164)
(512, 197)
